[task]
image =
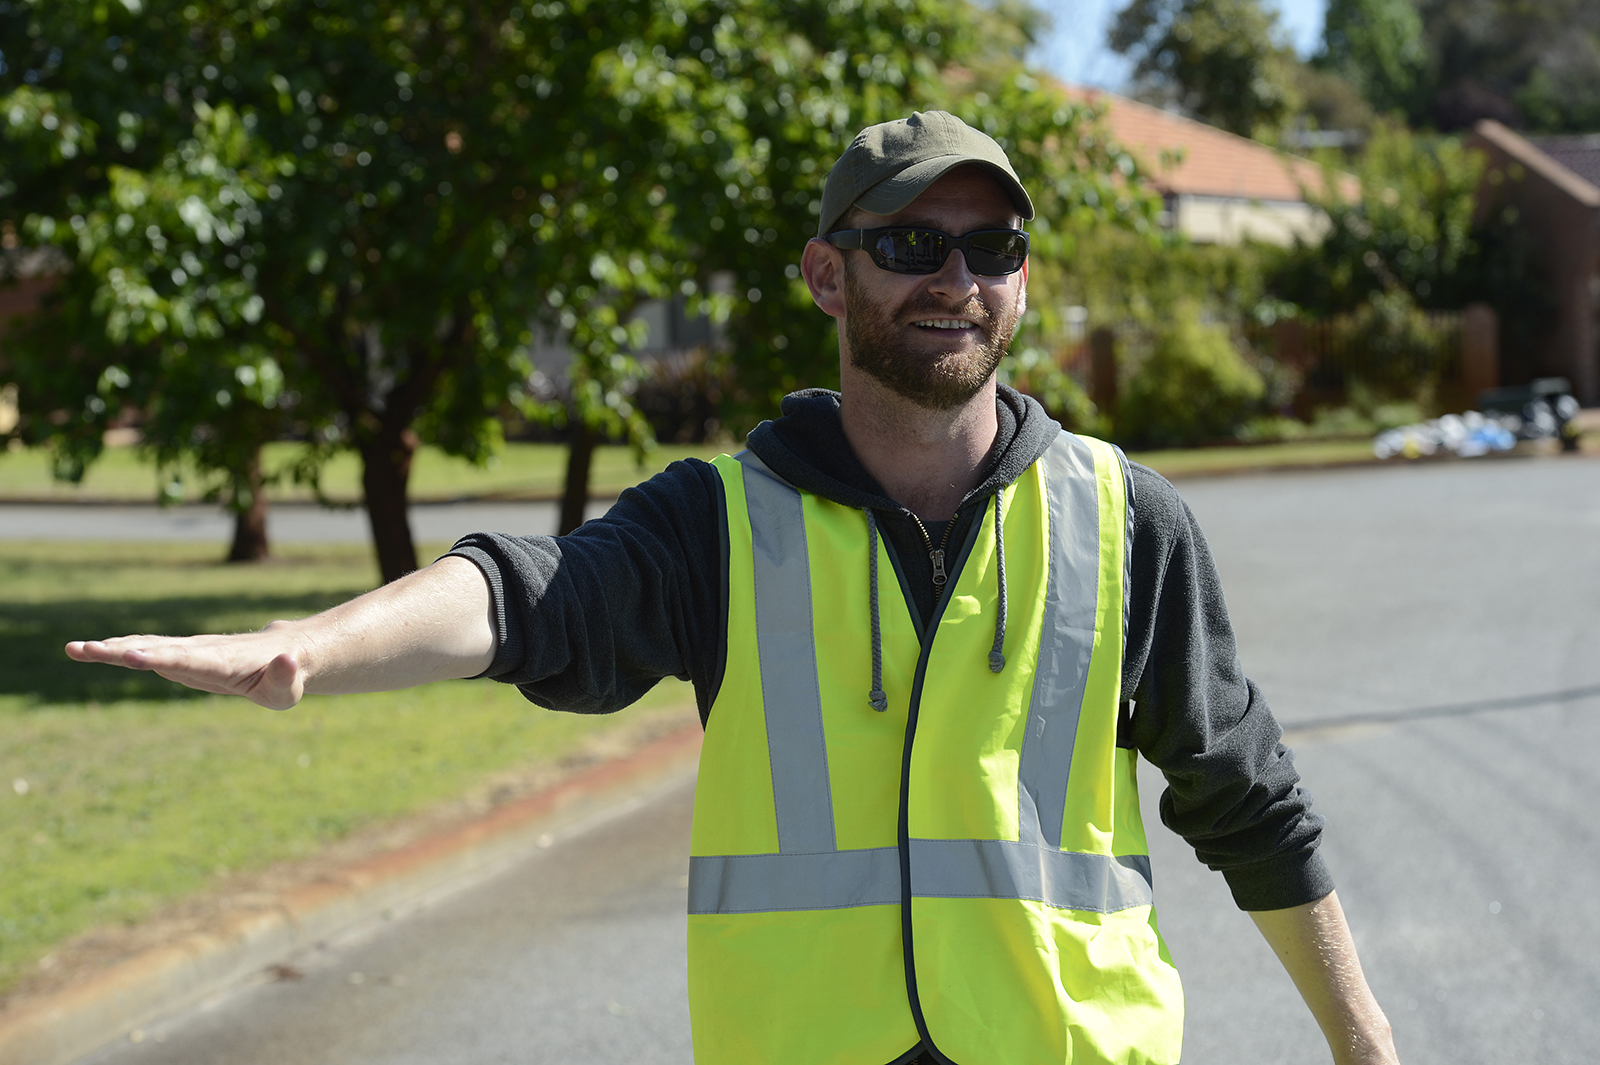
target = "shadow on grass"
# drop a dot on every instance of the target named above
(33, 664)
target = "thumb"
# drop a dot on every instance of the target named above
(280, 685)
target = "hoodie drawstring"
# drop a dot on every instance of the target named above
(876, 698)
(997, 659)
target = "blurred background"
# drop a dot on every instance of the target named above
(293, 292)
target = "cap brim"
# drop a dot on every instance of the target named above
(895, 193)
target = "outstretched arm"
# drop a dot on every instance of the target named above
(1313, 942)
(433, 624)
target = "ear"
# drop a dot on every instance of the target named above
(1022, 292)
(822, 265)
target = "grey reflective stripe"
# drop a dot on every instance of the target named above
(957, 868)
(1065, 642)
(761, 883)
(796, 746)
(1000, 869)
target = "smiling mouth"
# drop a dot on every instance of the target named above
(945, 323)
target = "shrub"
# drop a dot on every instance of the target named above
(1193, 387)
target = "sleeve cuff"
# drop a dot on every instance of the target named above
(508, 645)
(1280, 882)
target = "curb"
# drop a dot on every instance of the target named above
(60, 1028)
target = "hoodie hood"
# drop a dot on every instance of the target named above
(807, 447)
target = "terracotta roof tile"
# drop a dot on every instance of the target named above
(1185, 157)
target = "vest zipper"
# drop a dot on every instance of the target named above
(913, 712)
(936, 554)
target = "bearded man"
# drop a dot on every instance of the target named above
(930, 632)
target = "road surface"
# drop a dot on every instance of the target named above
(1429, 635)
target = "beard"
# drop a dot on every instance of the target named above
(885, 348)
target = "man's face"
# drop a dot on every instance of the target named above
(934, 339)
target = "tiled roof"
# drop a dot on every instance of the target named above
(1557, 171)
(1185, 157)
(1580, 154)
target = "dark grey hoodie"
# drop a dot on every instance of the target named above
(591, 621)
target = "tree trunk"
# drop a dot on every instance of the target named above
(250, 523)
(385, 470)
(575, 495)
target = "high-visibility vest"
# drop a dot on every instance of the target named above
(965, 868)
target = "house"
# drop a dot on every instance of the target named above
(1219, 188)
(1554, 183)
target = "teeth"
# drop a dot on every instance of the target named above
(944, 323)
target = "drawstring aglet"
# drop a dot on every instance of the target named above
(997, 661)
(878, 701)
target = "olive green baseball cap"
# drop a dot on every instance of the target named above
(890, 164)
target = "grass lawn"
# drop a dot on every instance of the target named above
(120, 792)
(519, 471)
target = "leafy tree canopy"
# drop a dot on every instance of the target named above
(352, 220)
(1378, 46)
(1222, 61)
(1535, 65)
(1410, 230)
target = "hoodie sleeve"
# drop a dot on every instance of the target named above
(590, 621)
(1233, 792)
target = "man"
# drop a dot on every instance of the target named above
(916, 835)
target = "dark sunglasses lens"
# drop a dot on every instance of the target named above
(909, 251)
(997, 252)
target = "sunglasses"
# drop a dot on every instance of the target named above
(911, 250)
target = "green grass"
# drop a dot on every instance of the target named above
(519, 471)
(1178, 462)
(139, 793)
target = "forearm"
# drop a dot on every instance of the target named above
(433, 624)
(430, 625)
(1313, 943)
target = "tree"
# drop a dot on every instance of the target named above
(1526, 64)
(387, 204)
(1222, 61)
(1411, 229)
(1378, 46)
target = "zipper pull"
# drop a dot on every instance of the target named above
(937, 554)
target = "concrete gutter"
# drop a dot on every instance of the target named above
(61, 1027)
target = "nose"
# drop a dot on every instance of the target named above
(954, 281)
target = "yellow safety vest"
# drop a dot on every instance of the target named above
(965, 868)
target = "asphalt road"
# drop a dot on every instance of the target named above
(1428, 635)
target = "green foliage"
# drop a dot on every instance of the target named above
(1126, 277)
(1410, 229)
(1194, 386)
(1404, 354)
(1223, 61)
(390, 206)
(1526, 64)
(1378, 46)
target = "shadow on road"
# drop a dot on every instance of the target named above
(1424, 713)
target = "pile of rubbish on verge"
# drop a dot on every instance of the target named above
(1481, 432)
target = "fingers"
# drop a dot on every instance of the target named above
(244, 665)
(127, 651)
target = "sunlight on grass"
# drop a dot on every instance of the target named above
(120, 791)
(520, 470)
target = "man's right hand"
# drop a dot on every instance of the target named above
(434, 624)
(264, 666)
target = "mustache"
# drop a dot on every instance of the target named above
(971, 307)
